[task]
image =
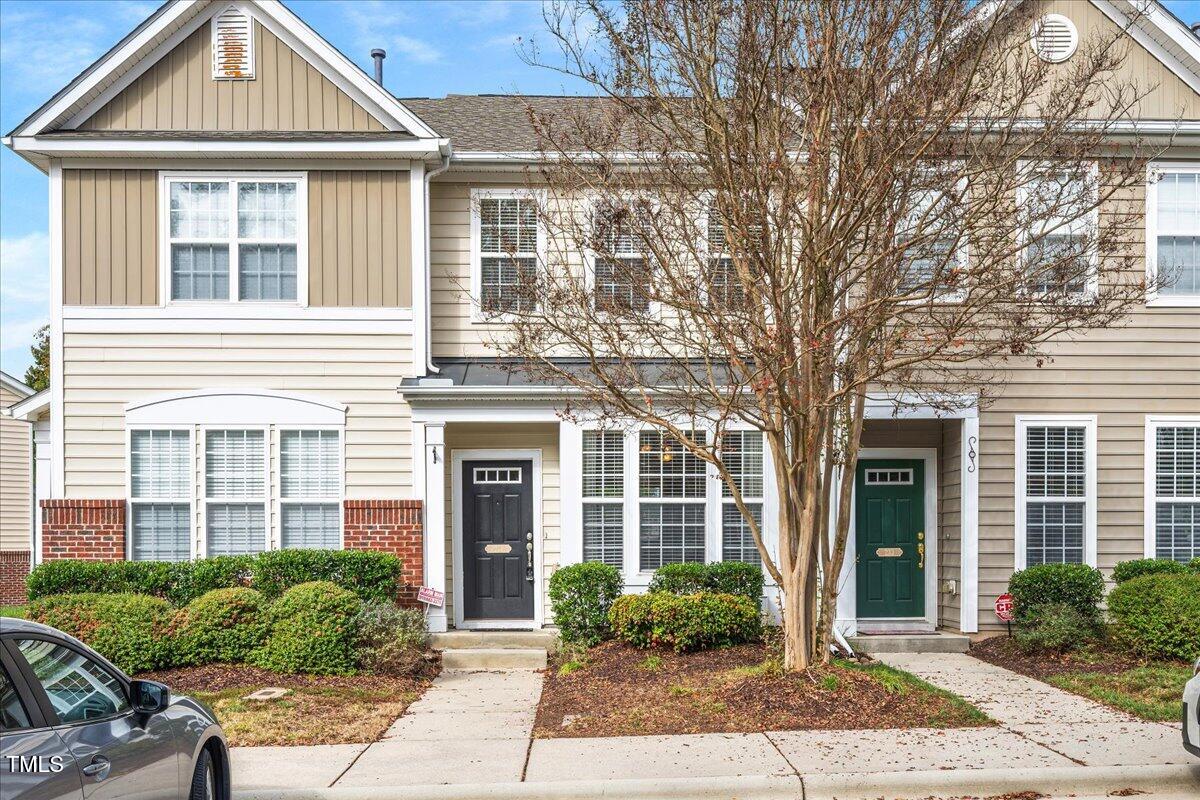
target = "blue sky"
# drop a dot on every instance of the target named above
(434, 48)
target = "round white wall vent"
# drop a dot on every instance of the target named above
(1054, 38)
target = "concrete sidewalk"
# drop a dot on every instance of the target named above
(475, 728)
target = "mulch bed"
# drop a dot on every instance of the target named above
(617, 693)
(1004, 652)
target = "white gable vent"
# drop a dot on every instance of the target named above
(233, 45)
(1054, 38)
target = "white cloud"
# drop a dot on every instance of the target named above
(379, 24)
(414, 49)
(40, 51)
(24, 296)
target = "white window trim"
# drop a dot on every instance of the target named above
(276, 531)
(131, 501)
(962, 254)
(165, 179)
(1150, 492)
(201, 483)
(1089, 424)
(758, 499)
(590, 256)
(1092, 287)
(478, 316)
(620, 500)
(1153, 297)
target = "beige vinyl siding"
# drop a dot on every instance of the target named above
(104, 372)
(511, 436)
(359, 238)
(949, 522)
(110, 237)
(179, 94)
(16, 477)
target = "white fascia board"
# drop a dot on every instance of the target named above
(1153, 15)
(59, 147)
(15, 386)
(31, 407)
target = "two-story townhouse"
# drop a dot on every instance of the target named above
(270, 287)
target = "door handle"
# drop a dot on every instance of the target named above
(98, 768)
(529, 556)
(921, 555)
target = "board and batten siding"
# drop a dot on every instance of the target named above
(359, 238)
(513, 436)
(104, 372)
(179, 94)
(16, 487)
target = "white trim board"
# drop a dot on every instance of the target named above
(457, 457)
(1155, 298)
(1150, 493)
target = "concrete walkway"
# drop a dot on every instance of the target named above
(475, 728)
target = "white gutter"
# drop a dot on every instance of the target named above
(427, 311)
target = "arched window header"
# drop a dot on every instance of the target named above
(235, 407)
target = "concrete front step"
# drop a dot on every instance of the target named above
(910, 643)
(493, 640)
(494, 658)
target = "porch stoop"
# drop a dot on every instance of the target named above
(911, 643)
(494, 650)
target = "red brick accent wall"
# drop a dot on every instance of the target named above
(14, 566)
(89, 529)
(392, 526)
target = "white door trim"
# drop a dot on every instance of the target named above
(457, 457)
(848, 621)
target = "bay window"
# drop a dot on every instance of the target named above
(160, 490)
(1173, 234)
(1173, 488)
(235, 238)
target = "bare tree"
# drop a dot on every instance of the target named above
(773, 208)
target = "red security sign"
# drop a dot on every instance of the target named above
(1004, 607)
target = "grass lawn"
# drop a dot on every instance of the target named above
(319, 709)
(1151, 690)
(13, 611)
(616, 690)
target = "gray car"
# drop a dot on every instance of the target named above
(74, 726)
(1191, 712)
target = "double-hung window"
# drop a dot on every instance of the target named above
(1058, 206)
(932, 235)
(1173, 488)
(742, 454)
(235, 491)
(310, 488)
(724, 288)
(235, 239)
(505, 252)
(603, 497)
(160, 490)
(620, 270)
(1056, 491)
(672, 487)
(1173, 234)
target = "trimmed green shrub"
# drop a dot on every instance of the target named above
(224, 625)
(76, 576)
(1158, 616)
(130, 630)
(311, 630)
(1056, 626)
(1076, 585)
(685, 622)
(371, 575)
(580, 598)
(391, 640)
(1194, 565)
(725, 577)
(197, 578)
(1128, 570)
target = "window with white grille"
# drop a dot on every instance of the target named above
(235, 239)
(506, 253)
(1058, 206)
(232, 45)
(603, 496)
(934, 241)
(1056, 486)
(742, 454)
(888, 477)
(310, 488)
(672, 529)
(620, 268)
(235, 492)
(1173, 234)
(1173, 488)
(496, 475)
(160, 486)
(1054, 38)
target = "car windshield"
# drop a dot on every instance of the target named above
(78, 688)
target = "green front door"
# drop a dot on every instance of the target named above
(890, 538)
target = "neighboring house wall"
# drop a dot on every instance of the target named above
(359, 237)
(179, 94)
(16, 489)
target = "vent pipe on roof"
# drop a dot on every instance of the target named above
(1196, 28)
(379, 56)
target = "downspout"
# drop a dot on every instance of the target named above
(428, 310)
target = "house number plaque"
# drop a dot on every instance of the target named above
(497, 548)
(889, 552)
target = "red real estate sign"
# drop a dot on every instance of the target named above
(431, 596)
(1004, 607)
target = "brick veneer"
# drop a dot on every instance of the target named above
(89, 529)
(392, 526)
(14, 566)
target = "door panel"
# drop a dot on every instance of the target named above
(890, 538)
(497, 527)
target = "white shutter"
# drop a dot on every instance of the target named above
(233, 45)
(1054, 38)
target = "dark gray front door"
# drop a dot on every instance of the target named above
(497, 546)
